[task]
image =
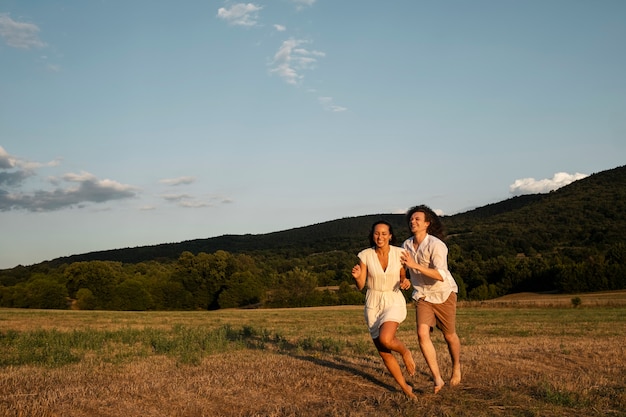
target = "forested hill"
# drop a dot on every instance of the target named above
(587, 215)
(571, 239)
(342, 234)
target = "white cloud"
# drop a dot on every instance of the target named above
(49, 66)
(240, 14)
(193, 204)
(175, 197)
(89, 190)
(77, 189)
(53, 67)
(328, 104)
(18, 169)
(189, 201)
(177, 181)
(533, 186)
(303, 3)
(84, 187)
(290, 59)
(6, 161)
(19, 34)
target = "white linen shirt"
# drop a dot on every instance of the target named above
(431, 253)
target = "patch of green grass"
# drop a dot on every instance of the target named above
(561, 398)
(48, 348)
(187, 344)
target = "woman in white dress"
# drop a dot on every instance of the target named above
(381, 271)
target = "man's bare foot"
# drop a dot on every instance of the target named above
(438, 385)
(407, 357)
(456, 378)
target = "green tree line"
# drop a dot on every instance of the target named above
(194, 282)
(570, 241)
(225, 280)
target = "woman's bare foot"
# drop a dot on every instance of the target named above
(438, 385)
(408, 391)
(407, 357)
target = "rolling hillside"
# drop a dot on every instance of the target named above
(587, 214)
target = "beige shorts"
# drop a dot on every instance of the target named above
(441, 315)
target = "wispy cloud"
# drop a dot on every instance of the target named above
(291, 59)
(328, 104)
(240, 14)
(19, 34)
(303, 3)
(175, 197)
(194, 204)
(178, 181)
(533, 186)
(48, 65)
(189, 201)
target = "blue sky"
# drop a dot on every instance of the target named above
(132, 123)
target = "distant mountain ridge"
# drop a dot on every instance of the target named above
(588, 212)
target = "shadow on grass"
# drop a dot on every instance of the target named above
(358, 372)
(345, 368)
(298, 349)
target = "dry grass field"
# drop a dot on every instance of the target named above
(519, 357)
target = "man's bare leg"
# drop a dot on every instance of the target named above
(454, 347)
(430, 355)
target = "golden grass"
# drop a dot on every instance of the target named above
(516, 362)
(602, 298)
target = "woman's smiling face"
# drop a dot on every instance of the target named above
(382, 236)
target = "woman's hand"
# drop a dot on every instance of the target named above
(356, 271)
(359, 273)
(405, 284)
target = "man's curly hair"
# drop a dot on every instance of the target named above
(435, 228)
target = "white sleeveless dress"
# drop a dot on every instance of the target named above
(384, 300)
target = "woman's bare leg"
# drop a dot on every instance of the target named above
(386, 344)
(389, 340)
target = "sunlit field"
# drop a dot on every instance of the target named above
(519, 359)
